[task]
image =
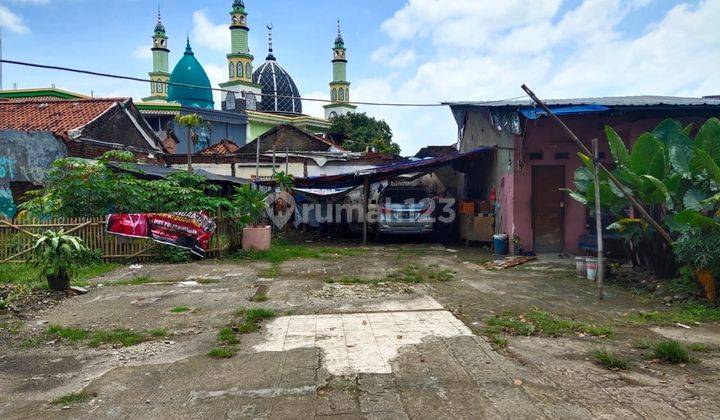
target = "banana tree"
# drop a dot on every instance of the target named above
(673, 176)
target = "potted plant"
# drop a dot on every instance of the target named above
(702, 254)
(56, 254)
(251, 204)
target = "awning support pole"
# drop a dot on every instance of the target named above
(366, 204)
(599, 165)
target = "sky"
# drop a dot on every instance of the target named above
(415, 51)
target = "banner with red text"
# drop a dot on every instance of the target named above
(190, 230)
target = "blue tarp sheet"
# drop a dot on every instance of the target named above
(533, 113)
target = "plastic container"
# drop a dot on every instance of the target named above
(581, 267)
(500, 244)
(592, 267)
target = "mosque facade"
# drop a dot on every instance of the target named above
(266, 95)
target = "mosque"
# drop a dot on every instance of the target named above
(254, 100)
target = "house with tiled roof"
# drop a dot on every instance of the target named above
(35, 132)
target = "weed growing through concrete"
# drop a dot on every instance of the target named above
(671, 352)
(283, 251)
(500, 342)
(700, 347)
(685, 314)
(411, 273)
(71, 334)
(74, 398)
(540, 322)
(180, 309)
(643, 343)
(221, 353)
(259, 298)
(30, 343)
(117, 337)
(134, 281)
(227, 336)
(611, 360)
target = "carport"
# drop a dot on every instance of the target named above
(460, 161)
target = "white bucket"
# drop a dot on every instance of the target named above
(592, 267)
(581, 267)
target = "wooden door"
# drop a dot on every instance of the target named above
(548, 208)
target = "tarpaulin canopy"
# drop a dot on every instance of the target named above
(533, 113)
(383, 173)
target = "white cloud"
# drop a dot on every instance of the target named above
(217, 73)
(143, 52)
(207, 34)
(483, 50)
(11, 21)
(314, 108)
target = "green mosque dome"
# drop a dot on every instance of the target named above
(189, 71)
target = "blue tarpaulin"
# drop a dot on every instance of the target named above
(533, 113)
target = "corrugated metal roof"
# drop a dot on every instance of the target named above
(610, 101)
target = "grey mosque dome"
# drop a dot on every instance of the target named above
(280, 93)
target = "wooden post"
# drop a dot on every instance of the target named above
(366, 204)
(610, 175)
(598, 221)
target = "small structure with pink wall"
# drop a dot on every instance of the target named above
(534, 159)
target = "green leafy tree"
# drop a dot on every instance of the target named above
(79, 188)
(676, 178)
(190, 122)
(358, 133)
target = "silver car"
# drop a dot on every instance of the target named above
(405, 210)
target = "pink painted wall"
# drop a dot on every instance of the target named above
(545, 136)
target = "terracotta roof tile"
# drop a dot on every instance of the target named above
(225, 147)
(57, 116)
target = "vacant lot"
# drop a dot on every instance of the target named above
(391, 331)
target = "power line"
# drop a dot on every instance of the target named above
(141, 80)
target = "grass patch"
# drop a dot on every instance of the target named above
(251, 319)
(643, 343)
(227, 336)
(611, 360)
(541, 322)
(257, 314)
(221, 353)
(411, 273)
(158, 332)
(498, 341)
(671, 352)
(700, 347)
(685, 314)
(207, 281)
(118, 337)
(3, 304)
(74, 398)
(180, 309)
(30, 343)
(283, 251)
(12, 327)
(25, 274)
(133, 281)
(71, 334)
(261, 297)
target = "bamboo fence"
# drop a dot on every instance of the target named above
(19, 235)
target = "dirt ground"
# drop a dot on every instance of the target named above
(406, 350)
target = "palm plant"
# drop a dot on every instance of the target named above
(190, 122)
(283, 181)
(56, 255)
(250, 204)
